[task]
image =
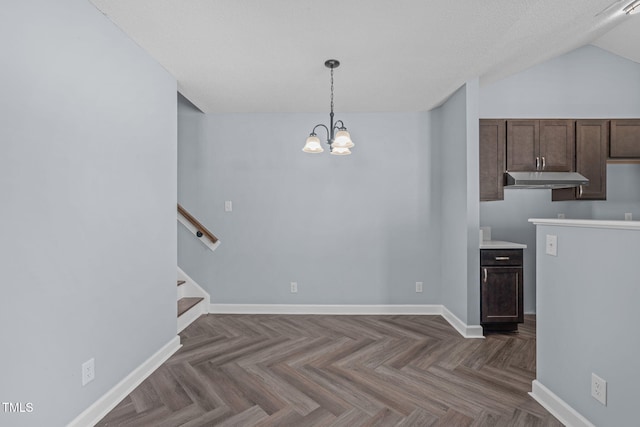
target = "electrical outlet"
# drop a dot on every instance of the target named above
(599, 389)
(294, 287)
(88, 371)
(228, 206)
(552, 245)
(418, 286)
(560, 216)
(628, 216)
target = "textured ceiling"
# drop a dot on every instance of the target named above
(400, 55)
(624, 39)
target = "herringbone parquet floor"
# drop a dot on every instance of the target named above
(302, 370)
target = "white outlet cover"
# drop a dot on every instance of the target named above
(599, 389)
(294, 287)
(552, 245)
(628, 216)
(228, 206)
(88, 371)
(418, 286)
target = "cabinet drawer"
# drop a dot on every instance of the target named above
(501, 257)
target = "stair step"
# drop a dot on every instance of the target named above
(181, 282)
(184, 304)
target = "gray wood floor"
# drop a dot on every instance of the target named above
(286, 370)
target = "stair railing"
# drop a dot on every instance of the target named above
(199, 230)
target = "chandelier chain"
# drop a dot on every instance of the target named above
(332, 90)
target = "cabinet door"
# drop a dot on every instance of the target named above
(557, 145)
(591, 157)
(592, 137)
(625, 138)
(501, 295)
(492, 142)
(522, 145)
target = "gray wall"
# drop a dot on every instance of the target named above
(585, 83)
(360, 229)
(588, 82)
(472, 190)
(455, 123)
(88, 173)
(587, 304)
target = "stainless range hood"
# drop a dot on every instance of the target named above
(545, 180)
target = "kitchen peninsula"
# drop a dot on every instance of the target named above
(588, 288)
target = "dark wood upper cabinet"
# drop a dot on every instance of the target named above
(557, 145)
(492, 165)
(540, 145)
(592, 143)
(592, 137)
(625, 139)
(523, 137)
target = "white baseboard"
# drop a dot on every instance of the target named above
(418, 309)
(467, 331)
(94, 413)
(557, 407)
(323, 309)
(191, 289)
(191, 315)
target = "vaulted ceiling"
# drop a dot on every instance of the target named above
(396, 55)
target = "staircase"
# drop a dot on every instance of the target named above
(193, 301)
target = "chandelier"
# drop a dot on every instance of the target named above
(340, 141)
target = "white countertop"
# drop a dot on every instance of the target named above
(499, 244)
(588, 223)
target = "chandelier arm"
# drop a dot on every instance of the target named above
(313, 132)
(341, 127)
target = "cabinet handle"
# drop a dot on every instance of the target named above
(543, 164)
(485, 275)
(580, 191)
(502, 258)
(537, 163)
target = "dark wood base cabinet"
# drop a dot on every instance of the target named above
(501, 289)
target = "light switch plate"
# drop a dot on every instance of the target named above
(552, 245)
(228, 206)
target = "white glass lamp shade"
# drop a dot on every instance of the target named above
(313, 145)
(340, 151)
(343, 140)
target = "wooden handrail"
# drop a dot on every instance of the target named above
(201, 228)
